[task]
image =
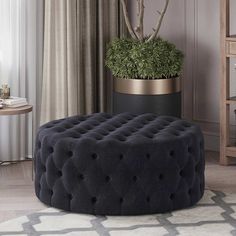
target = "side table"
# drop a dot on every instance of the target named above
(19, 111)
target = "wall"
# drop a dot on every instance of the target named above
(193, 25)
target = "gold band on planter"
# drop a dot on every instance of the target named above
(147, 87)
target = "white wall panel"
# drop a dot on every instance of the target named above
(193, 25)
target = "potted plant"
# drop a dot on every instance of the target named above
(147, 69)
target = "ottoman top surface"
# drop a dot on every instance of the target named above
(124, 127)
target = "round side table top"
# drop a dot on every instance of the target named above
(16, 111)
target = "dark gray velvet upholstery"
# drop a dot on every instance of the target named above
(119, 165)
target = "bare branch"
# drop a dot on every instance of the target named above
(127, 20)
(159, 22)
(139, 28)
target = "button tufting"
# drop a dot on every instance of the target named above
(108, 178)
(172, 153)
(149, 136)
(135, 178)
(190, 149)
(70, 153)
(50, 150)
(161, 177)
(94, 156)
(98, 138)
(125, 176)
(81, 176)
(122, 139)
(94, 200)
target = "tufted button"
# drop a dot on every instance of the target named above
(43, 168)
(81, 176)
(88, 127)
(172, 153)
(94, 200)
(135, 178)
(155, 131)
(50, 150)
(59, 173)
(108, 178)
(148, 156)
(70, 197)
(122, 139)
(182, 129)
(39, 144)
(149, 136)
(126, 134)
(181, 173)
(121, 157)
(148, 199)
(172, 196)
(98, 138)
(161, 177)
(190, 149)
(190, 191)
(94, 156)
(50, 192)
(70, 153)
(121, 200)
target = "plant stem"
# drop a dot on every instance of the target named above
(127, 20)
(159, 22)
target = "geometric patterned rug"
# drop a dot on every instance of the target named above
(214, 215)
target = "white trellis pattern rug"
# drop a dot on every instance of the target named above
(214, 215)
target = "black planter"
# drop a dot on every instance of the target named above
(168, 104)
(138, 96)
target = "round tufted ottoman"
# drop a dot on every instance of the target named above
(119, 165)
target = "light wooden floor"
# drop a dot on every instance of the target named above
(17, 191)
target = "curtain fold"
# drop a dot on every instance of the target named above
(20, 67)
(75, 80)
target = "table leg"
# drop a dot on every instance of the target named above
(32, 145)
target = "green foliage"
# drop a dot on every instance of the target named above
(157, 59)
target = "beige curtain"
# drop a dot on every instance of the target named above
(75, 80)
